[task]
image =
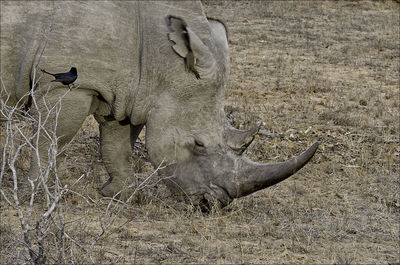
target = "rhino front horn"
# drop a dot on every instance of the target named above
(252, 176)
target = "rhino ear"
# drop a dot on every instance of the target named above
(178, 35)
(198, 57)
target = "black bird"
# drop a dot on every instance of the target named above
(64, 78)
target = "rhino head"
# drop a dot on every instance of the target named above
(187, 127)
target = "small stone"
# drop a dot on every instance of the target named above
(363, 102)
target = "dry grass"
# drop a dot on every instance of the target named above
(310, 70)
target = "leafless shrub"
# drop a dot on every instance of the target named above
(34, 227)
(45, 235)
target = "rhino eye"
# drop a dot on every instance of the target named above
(199, 143)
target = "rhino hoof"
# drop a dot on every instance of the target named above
(111, 189)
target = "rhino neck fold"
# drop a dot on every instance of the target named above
(138, 110)
(141, 53)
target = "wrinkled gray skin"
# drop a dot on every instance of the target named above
(131, 75)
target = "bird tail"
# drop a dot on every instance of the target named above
(44, 71)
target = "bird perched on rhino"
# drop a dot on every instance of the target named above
(64, 78)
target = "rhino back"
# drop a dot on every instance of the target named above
(121, 49)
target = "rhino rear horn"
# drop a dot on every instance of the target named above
(239, 140)
(198, 58)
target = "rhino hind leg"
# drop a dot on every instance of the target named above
(115, 139)
(76, 105)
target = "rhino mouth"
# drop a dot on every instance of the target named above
(218, 197)
(204, 194)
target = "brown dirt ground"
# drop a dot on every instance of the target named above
(326, 70)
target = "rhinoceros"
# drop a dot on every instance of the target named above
(160, 64)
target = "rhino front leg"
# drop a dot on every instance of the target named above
(116, 140)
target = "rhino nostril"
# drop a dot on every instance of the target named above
(205, 206)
